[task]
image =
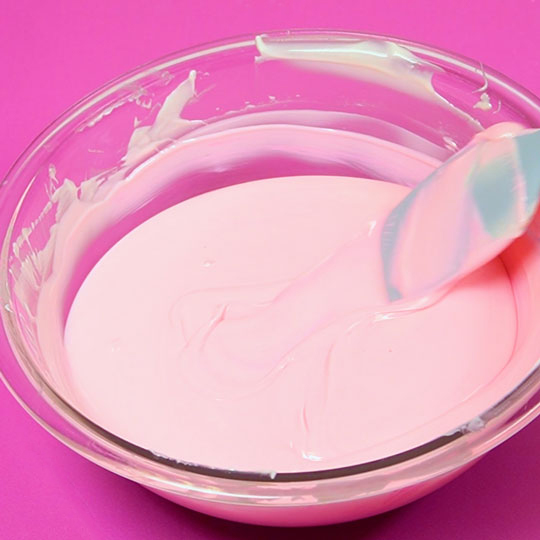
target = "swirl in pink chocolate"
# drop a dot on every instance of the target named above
(248, 328)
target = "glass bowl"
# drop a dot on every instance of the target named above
(233, 86)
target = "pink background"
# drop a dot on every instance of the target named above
(51, 54)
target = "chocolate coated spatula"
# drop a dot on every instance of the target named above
(464, 214)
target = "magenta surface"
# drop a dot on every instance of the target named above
(53, 53)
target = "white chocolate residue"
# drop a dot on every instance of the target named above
(484, 103)
(380, 62)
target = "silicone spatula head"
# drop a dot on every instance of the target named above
(464, 214)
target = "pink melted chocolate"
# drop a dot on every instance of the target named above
(248, 328)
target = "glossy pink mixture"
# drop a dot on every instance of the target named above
(247, 328)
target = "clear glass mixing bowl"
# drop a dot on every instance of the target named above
(232, 86)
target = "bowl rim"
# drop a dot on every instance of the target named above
(90, 429)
